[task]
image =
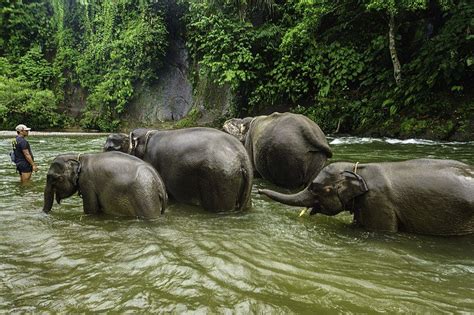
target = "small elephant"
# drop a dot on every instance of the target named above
(425, 196)
(112, 182)
(286, 149)
(200, 166)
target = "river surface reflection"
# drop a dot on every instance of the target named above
(266, 260)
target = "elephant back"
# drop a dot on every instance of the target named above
(287, 149)
(202, 166)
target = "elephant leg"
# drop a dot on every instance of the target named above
(146, 204)
(379, 218)
(90, 202)
(219, 193)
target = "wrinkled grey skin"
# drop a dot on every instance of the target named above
(286, 149)
(423, 196)
(200, 166)
(113, 182)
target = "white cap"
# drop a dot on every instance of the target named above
(21, 127)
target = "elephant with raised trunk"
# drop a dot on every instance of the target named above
(425, 196)
(200, 166)
(286, 149)
(113, 183)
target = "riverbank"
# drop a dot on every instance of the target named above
(434, 130)
(429, 128)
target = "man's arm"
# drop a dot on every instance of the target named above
(30, 159)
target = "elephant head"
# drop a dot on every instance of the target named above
(62, 180)
(138, 141)
(117, 142)
(238, 127)
(134, 144)
(330, 193)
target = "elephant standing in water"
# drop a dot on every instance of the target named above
(425, 196)
(200, 166)
(287, 149)
(113, 183)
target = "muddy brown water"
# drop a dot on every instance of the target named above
(264, 261)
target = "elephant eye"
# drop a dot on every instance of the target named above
(55, 178)
(316, 187)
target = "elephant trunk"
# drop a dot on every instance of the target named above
(48, 196)
(303, 198)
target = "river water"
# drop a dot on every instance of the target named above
(264, 261)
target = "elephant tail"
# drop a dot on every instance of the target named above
(244, 197)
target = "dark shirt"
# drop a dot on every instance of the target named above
(22, 144)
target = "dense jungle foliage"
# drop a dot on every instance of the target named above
(398, 68)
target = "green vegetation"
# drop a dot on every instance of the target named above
(21, 101)
(385, 67)
(100, 47)
(190, 120)
(397, 68)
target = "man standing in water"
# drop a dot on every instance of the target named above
(24, 159)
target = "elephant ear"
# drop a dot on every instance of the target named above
(134, 143)
(74, 168)
(232, 127)
(132, 140)
(351, 186)
(245, 126)
(238, 127)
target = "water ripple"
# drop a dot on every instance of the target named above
(265, 260)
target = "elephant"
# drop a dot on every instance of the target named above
(112, 182)
(199, 166)
(424, 196)
(286, 149)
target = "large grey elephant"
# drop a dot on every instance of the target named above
(286, 149)
(423, 196)
(112, 182)
(200, 166)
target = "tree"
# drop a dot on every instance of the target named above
(244, 7)
(393, 9)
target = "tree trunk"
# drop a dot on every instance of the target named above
(397, 71)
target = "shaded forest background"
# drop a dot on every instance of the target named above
(398, 68)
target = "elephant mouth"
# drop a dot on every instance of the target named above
(315, 209)
(112, 148)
